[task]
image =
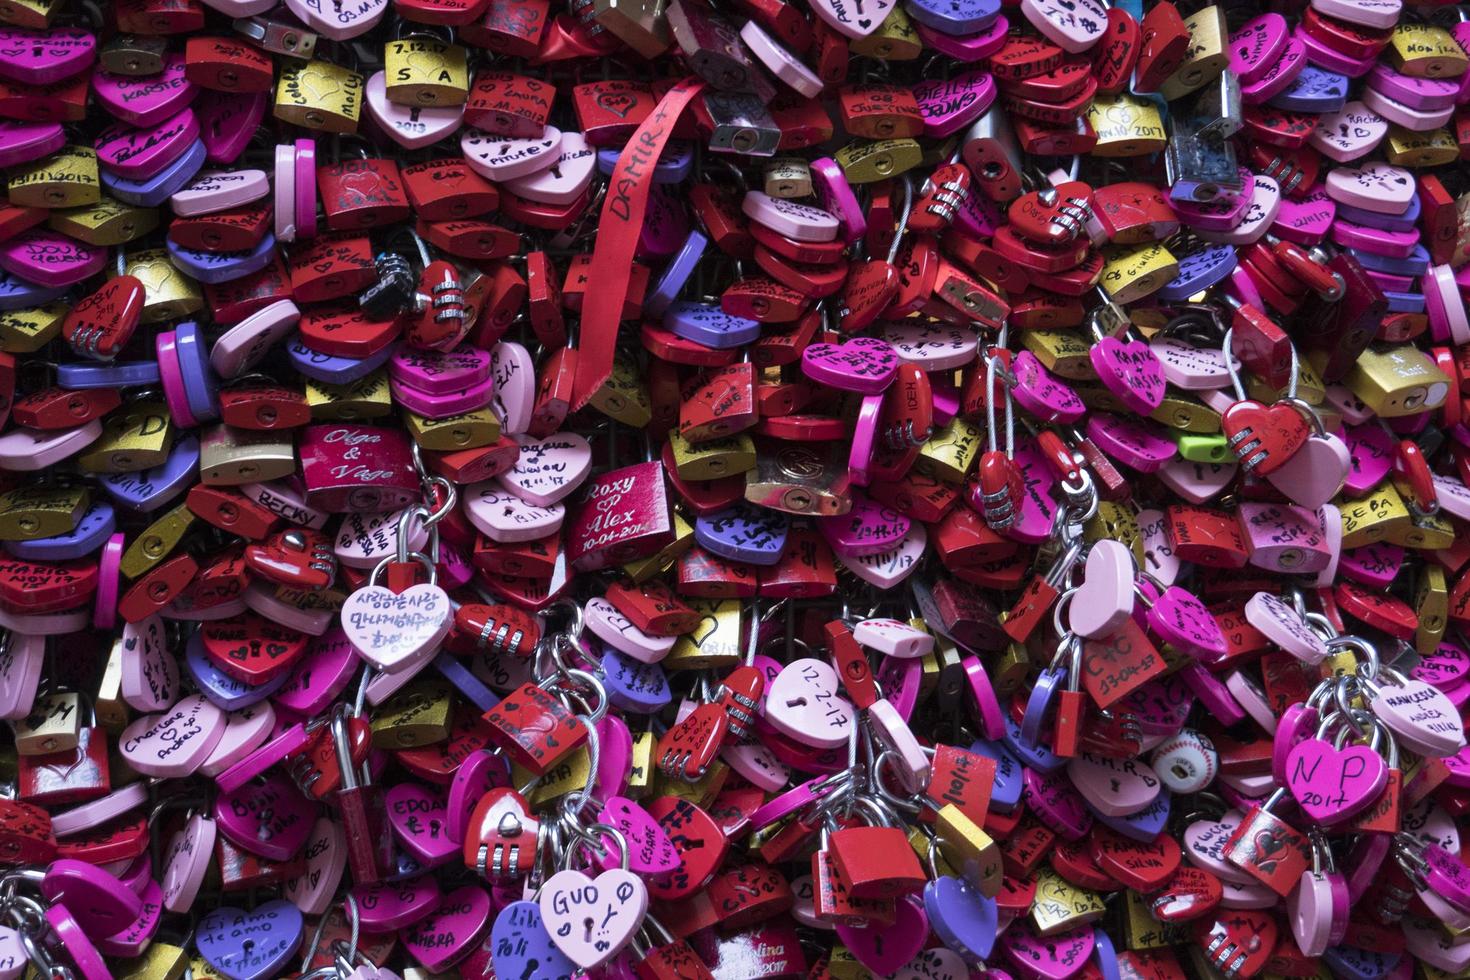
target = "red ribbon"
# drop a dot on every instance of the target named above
(623, 210)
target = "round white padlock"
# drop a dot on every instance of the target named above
(1187, 762)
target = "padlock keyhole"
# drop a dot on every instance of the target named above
(587, 924)
(796, 703)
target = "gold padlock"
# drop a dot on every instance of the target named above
(1142, 931)
(567, 775)
(1432, 606)
(35, 14)
(646, 568)
(896, 39)
(1206, 57)
(27, 513)
(1061, 906)
(866, 162)
(1126, 126)
(951, 452)
(623, 396)
(467, 430)
(423, 72)
(1100, 399)
(1115, 522)
(714, 459)
(786, 177)
(201, 968)
(969, 849)
(640, 767)
(134, 437)
(1396, 381)
(700, 792)
(167, 293)
(1426, 51)
(312, 600)
(54, 724)
(104, 224)
(1062, 352)
(843, 964)
(418, 714)
(800, 478)
(67, 178)
(366, 398)
(112, 710)
(1011, 670)
(133, 54)
(715, 643)
(640, 24)
(1427, 531)
(1187, 415)
(160, 961)
(320, 95)
(27, 331)
(231, 457)
(1373, 517)
(157, 541)
(1131, 272)
(1433, 148)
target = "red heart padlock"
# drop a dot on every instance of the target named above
(1143, 866)
(252, 649)
(501, 838)
(101, 324)
(1264, 438)
(298, 557)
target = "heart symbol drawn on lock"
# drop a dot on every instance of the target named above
(250, 945)
(549, 469)
(175, 742)
(1315, 473)
(865, 365)
(803, 703)
(883, 949)
(591, 920)
(392, 632)
(1052, 957)
(617, 103)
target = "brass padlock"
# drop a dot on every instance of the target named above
(54, 724)
(712, 460)
(422, 72)
(1062, 352)
(112, 710)
(1430, 532)
(231, 457)
(1373, 517)
(1131, 272)
(896, 39)
(716, 643)
(640, 766)
(1187, 415)
(1142, 931)
(157, 541)
(1011, 670)
(1126, 126)
(969, 849)
(701, 792)
(133, 54)
(160, 961)
(1433, 148)
(27, 513)
(467, 430)
(320, 95)
(67, 178)
(167, 292)
(623, 396)
(1115, 521)
(1061, 906)
(104, 224)
(1432, 606)
(416, 715)
(646, 568)
(866, 162)
(27, 331)
(1425, 51)
(1397, 381)
(950, 453)
(1206, 57)
(567, 775)
(366, 398)
(786, 177)
(134, 437)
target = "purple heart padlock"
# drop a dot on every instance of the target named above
(250, 945)
(632, 685)
(419, 818)
(707, 324)
(744, 532)
(521, 946)
(963, 919)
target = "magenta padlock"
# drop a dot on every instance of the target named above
(619, 517)
(1042, 393)
(146, 101)
(949, 105)
(22, 142)
(362, 468)
(45, 56)
(1128, 368)
(139, 153)
(48, 258)
(227, 122)
(1284, 538)
(1182, 621)
(1136, 443)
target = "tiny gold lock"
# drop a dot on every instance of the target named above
(1206, 56)
(368, 397)
(1432, 606)
(1126, 126)
(422, 72)
(1426, 51)
(1061, 906)
(467, 430)
(951, 452)
(27, 513)
(1131, 272)
(1187, 415)
(623, 396)
(1396, 381)
(112, 710)
(167, 292)
(646, 568)
(1374, 517)
(27, 331)
(416, 715)
(1432, 148)
(53, 725)
(866, 162)
(232, 457)
(969, 849)
(714, 459)
(787, 177)
(1062, 352)
(640, 766)
(104, 224)
(320, 95)
(134, 437)
(896, 39)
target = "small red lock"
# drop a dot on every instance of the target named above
(236, 230)
(64, 408)
(300, 558)
(534, 728)
(157, 588)
(346, 330)
(262, 406)
(359, 194)
(252, 649)
(25, 833)
(751, 893)
(332, 266)
(168, 17)
(1164, 43)
(609, 112)
(70, 776)
(101, 324)
(448, 190)
(226, 65)
(508, 104)
(233, 301)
